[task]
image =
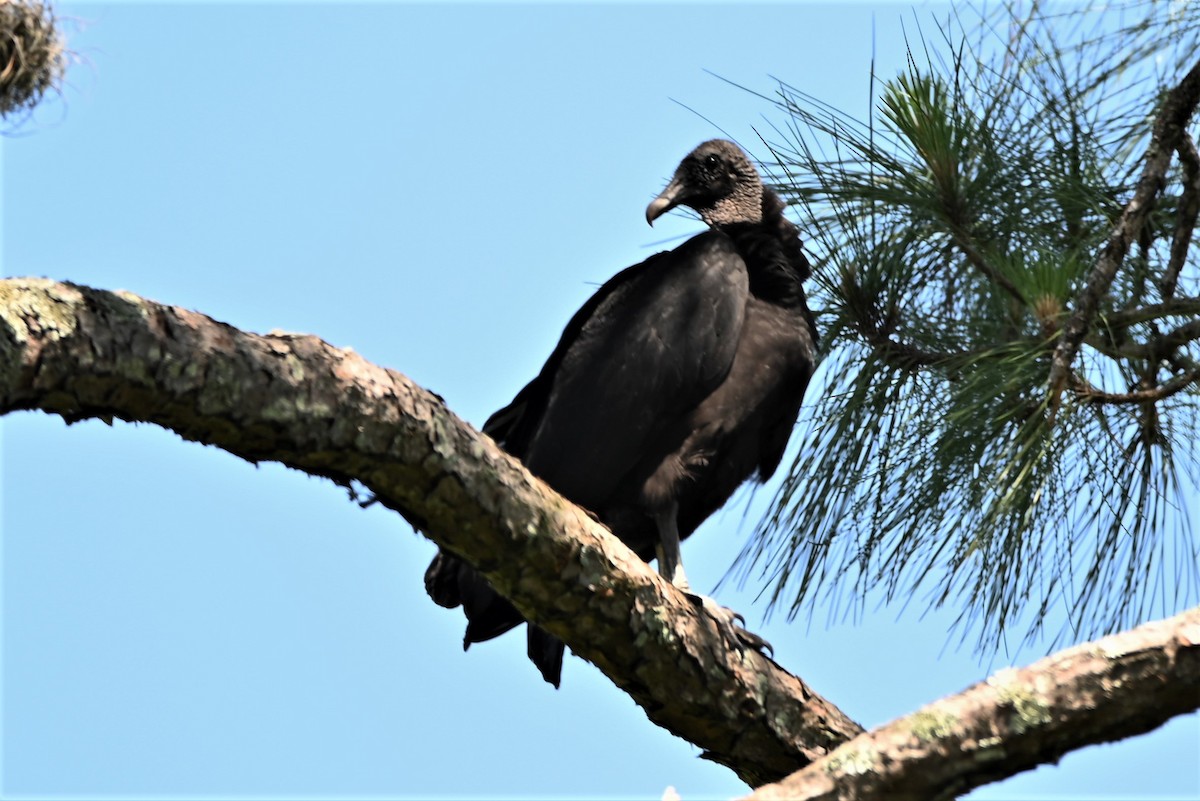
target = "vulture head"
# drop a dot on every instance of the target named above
(718, 181)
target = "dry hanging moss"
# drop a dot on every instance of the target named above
(32, 54)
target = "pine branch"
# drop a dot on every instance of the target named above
(1091, 394)
(1162, 346)
(1170, 308)
(1189, 209)
(1168, 133)
(84, 353)
(965, 243)
(1097, 692)
(894, 351)
(977, 212)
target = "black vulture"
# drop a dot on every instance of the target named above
(679, 379)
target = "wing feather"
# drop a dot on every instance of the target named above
(650, 349)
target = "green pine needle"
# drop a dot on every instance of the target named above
(953, 232)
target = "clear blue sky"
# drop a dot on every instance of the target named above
(437, 187)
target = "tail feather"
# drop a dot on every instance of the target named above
(441, 580)
(451, 582)
(488, 614)
(546, 652)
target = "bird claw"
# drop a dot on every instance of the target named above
(731, 625)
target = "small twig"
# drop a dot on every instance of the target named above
(962, 239)
(906, 355)
(1189, 209)
(1180, 363)
(1091, 394)
(900, 354)
(363, 501)
(1161, 347)
(1169, 308)
(878, 333)
(1168, 131)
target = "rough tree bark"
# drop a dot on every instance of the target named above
(82, 353)
(1097, 692)
(85, 353)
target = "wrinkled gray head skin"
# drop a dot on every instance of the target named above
(718, 181)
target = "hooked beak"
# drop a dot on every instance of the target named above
(666, 201)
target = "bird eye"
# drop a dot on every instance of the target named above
(712, 161)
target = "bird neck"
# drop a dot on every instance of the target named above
(743, 205)
(773, 253)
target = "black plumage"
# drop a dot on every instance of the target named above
(678, 380)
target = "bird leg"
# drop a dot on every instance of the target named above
(670, 566)
(670, 560)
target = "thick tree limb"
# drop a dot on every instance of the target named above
(83, 353)
(1119, 686)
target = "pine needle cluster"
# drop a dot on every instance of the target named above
(964, 236)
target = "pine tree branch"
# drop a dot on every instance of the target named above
(1165, 140)
(1189, 209)
(1143, 314)
(1162, 346)
(965, 242)
(906, 355)
(1092, 394)
(84, 353)
(880, 334)
(1115, 687)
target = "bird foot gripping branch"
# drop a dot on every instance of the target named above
(732, 626)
